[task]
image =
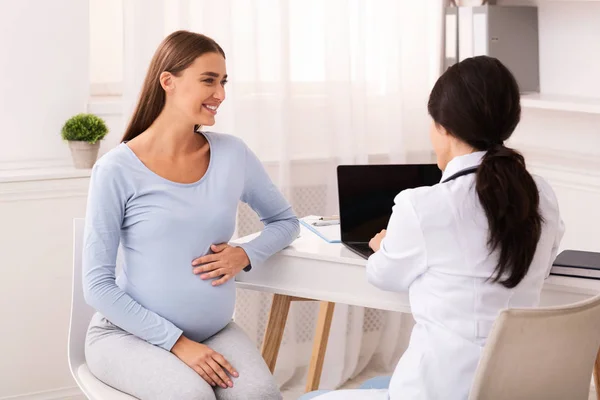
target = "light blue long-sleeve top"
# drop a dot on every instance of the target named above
(161, 227)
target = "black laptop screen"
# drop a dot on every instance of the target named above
(366, 195)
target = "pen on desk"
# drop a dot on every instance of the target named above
(333, 217)
(326, 223)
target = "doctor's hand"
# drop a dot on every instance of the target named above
(226, 262)
(375, 242)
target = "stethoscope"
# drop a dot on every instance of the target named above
(463, 172)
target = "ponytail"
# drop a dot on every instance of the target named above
(510, 199)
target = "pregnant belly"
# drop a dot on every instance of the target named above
(195, 306)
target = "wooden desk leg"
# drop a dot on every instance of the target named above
(274, 331)
(597, 375)
(319, 345)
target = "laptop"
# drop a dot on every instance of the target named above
(366, 196)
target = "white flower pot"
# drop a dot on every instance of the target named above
(84, 154)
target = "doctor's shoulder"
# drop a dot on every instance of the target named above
(548, 199)
(422, 198)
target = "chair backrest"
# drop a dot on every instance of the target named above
(544, 353)
(81, 313)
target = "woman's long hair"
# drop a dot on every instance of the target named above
(176, 52)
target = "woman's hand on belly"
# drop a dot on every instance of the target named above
(209, 364)
(226, 263)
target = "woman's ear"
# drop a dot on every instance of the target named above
(166, 81)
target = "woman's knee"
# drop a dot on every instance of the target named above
(186, 384)
(268, 390)
(263, 389)
(196, 391)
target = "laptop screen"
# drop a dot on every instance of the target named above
(366, 195)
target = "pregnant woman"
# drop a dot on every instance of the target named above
(168, 197)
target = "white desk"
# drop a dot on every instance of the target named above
(312, 269)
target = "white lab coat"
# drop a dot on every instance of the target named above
(436, 248)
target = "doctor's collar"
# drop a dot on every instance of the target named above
(459, 163)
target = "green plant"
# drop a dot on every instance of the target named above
(84, 127)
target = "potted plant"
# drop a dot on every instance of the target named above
(84, 133)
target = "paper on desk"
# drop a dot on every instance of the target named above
(329, 233)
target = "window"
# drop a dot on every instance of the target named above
(324, 41)
(106, 47)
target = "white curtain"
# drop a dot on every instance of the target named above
(313, 84)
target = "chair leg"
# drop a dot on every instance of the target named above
(319, 345)
(597, 375)
(274, 331)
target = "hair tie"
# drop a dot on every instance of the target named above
(495, 146)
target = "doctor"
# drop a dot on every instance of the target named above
(480, 241)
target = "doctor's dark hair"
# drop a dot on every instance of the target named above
(478, 102)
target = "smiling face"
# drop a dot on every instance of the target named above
(197, 92)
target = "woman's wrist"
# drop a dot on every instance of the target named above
(244, 257)
(180, 345)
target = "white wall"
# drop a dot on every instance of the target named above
(35, 254)
(564, 148)
(569, 48)
(44, 70)
(45, 80)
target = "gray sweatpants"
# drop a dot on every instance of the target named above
(148, 372)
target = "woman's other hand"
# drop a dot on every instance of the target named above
(209, 364)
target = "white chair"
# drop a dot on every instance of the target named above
(81, 314)
(544, 353)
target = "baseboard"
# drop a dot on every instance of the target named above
(71, 393)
